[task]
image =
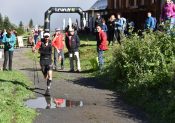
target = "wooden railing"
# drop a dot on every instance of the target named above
(21, 42)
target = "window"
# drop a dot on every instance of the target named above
(111, 4)
(120, 4)
(133, 3)
(115, 4)
(142, 2)
(153, 1)
(127, 3)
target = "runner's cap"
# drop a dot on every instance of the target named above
(46, 34)
(71, 30)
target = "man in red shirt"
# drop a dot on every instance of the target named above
(101, 45)
(58, 45)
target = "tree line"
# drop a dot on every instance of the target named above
(6, 24)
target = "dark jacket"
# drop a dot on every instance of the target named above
(98, 22)
(111, 26)
(72, 42)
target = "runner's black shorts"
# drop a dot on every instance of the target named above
(46, 68)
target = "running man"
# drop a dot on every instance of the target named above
(45, 49)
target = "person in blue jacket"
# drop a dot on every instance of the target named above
(104, 26)
(118, 31)
(150, 23)
(9, 41)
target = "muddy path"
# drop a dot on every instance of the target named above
(99, 104)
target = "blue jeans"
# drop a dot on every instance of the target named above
(56, 58)
(100, 58)
(8, 57)
(35, 38)
(172, 23)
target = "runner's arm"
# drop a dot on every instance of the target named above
(37, 46)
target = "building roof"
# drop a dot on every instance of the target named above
(99, 5)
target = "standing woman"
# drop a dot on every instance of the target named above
(111, 26)
(9, 41)
(168, 12)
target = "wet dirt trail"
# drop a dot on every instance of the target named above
(99, 105)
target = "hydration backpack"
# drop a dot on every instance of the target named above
(124, 23)
(155, 22)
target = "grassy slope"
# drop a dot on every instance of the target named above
(13, 91)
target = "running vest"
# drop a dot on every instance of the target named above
(45, 53)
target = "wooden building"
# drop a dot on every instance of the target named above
(136, 10)
(100, 6)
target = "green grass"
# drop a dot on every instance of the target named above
(13, 92)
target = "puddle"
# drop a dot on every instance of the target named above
(48, 102)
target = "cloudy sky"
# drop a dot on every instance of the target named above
(24, 10)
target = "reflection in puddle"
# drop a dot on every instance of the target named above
(47, 102)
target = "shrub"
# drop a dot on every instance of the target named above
(143, 71)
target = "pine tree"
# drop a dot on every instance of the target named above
(31, 23)
(21, 24)
(6, 23)
(1, 22)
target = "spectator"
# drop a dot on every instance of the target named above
(98, 21)
(124, 25)
(111, 26)
(150, 23)
(72, 43)
(41, 34)
(58, 45)
(36, 35)
(168, 13)
(101, 46)
(75, 27)
(9, 41)
(1, 36)
(130, 27)
(104, 26)
(45, 48)
(118, 33)
(4, 32)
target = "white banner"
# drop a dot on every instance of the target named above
(20, 41)
(0, 54)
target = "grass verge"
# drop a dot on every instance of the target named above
(13, 92)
